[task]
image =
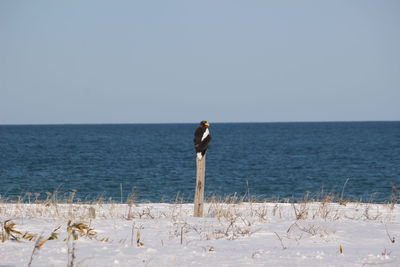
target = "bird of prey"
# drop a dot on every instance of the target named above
(202, 138)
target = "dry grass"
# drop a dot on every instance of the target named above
(228, 218)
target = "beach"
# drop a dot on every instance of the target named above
(119, 120)
(229, 234)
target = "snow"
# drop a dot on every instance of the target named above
(236, 234)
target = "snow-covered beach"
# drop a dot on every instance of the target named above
(229, 234)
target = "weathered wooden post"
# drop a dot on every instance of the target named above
(199, 194)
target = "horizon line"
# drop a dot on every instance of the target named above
(217, 122)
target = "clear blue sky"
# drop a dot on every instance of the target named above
(185, 61)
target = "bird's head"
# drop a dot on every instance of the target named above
(204, 123)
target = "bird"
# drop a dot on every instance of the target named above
(202, 138)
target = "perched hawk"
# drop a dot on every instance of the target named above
(201, 139)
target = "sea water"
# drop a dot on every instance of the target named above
(156, 162)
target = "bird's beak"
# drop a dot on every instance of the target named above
(207, 124)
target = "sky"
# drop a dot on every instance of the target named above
(184, 61)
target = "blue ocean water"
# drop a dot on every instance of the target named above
(157, 161)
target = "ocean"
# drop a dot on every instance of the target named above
(156, 162)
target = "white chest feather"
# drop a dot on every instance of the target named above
(205, 134)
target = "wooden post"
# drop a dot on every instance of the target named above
(199, 195)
